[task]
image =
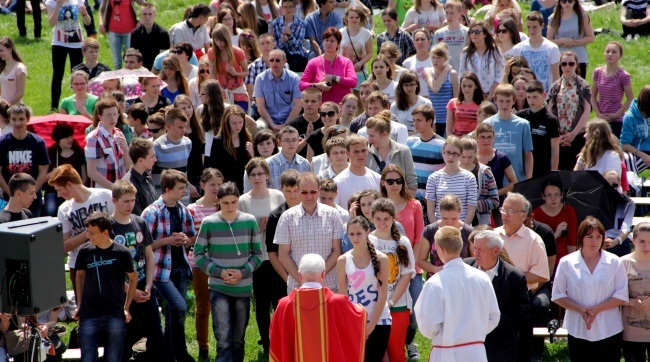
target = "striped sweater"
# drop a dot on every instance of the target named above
(236, 245)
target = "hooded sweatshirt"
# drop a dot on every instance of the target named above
(636, 130)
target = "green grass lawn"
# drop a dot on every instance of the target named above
(38, 58)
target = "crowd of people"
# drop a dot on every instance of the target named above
(266, 132)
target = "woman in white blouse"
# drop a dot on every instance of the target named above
(591, 284)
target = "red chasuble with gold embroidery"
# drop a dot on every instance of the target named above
(316, 325)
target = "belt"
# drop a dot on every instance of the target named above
(458, 345)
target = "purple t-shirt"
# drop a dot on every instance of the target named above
(611, 90)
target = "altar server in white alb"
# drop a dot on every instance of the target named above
(448, 311)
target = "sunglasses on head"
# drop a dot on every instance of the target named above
(391, 181)
(571, 64)
(329, 114)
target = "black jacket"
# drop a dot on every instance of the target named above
(514, 303)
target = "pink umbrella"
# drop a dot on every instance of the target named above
(129, 79)
(43, 125)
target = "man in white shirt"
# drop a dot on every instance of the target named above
(357, 177)
(542, 54)
(457, 333)
(310, 227)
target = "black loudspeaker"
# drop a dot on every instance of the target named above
(32, 265)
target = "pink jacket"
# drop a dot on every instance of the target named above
(342, 67)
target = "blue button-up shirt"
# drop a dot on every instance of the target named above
(278, 93)
(293, 45)
(316, 27)
(277, 165)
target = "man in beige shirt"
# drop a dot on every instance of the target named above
(527, 251)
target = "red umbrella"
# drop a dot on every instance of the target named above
(43, 125)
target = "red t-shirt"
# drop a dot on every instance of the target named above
(568, 215)
(465, 119)
(224, 78)
(122, 20)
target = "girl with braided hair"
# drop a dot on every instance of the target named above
(363, 275)
(387, 239)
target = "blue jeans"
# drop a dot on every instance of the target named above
(116, 41)
(415, 288)
(174, 292)
(112, 327)
(229, 320)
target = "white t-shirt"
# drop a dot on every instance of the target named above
(349, 183)
(418, 67)
(432, 16)
(73, 214)
(358, 42)
(390, 91)
(610, 160)
(540, 59)
(396, 269)
(405, 117)
(398, 132)
(67, 31)
(341, 11)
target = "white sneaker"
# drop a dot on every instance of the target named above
(413, 353)
(628, 37)
(637, 37)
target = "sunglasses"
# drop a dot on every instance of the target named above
(204, 71)
(571, 64)
(475, 32)
(391, 181)
(311, 192)
(176, 51)
(335, 129)
(502, 31)
(275, 60)
(246, 35)
(329, 114)
(155, 130)
(566, 1)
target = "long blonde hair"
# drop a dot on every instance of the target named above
(221, 32)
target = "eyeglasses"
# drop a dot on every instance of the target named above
(310, 192)
(204, 71)
(259, 174)
(79, 84)
(329, 114)
(452, 154)
(502, 31)
(391, 181)
(275, 60)
(228, 19)
(571, 64)
(410, 85)
(509, 211)
(392, 59)
(475, 32)
(155, 130)
(292, 140)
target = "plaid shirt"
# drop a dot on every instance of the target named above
(293, 45)
(101, 146)
(403, 41)
(158, 221)
(257, 67)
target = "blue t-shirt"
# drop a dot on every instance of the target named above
(512, 137)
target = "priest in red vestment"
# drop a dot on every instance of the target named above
(313, 324)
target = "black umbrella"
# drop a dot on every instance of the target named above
(587, 191)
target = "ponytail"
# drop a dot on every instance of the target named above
(375, 261)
